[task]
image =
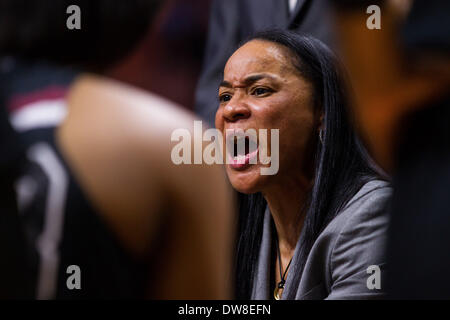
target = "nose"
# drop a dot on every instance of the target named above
(236, 110)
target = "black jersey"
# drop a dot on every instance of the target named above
(71, 252)
(14, 275)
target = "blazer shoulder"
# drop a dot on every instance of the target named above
(367, 204)
(350, 243)
(359, 239)
(371, 192)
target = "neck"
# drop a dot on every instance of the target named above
(285, 201)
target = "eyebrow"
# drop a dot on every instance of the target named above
(248, 80)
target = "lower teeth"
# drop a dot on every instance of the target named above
(240, 159)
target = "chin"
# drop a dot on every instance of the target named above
(246, 182)
(245, 189)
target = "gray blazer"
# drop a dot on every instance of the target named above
(336, 267)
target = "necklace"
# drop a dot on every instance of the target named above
(280, 285)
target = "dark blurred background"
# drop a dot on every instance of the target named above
(168, 61)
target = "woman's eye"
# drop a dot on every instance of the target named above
(224, 98)
(260, 91)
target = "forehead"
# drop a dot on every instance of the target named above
(258, 56)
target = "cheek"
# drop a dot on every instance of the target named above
(219, 119)
(297, 128)
(287, 115)
(295, 140)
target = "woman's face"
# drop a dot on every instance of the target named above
(262, 89)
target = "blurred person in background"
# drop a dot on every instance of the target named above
(233, 21)
(99, 191)
(15, 279)
(170, 55)
(401, 76)
(312, 230)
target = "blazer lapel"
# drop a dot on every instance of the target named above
(261, 279)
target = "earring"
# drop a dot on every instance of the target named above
(321, 136)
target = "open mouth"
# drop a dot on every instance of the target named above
(242, 150)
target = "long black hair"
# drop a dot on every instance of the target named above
(341, 165)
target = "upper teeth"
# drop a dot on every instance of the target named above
(240, 145)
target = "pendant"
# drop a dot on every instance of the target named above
(278, 291)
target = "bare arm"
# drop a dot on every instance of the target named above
(118, 141)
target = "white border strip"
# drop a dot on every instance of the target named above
(42, 114)
(48, 242)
